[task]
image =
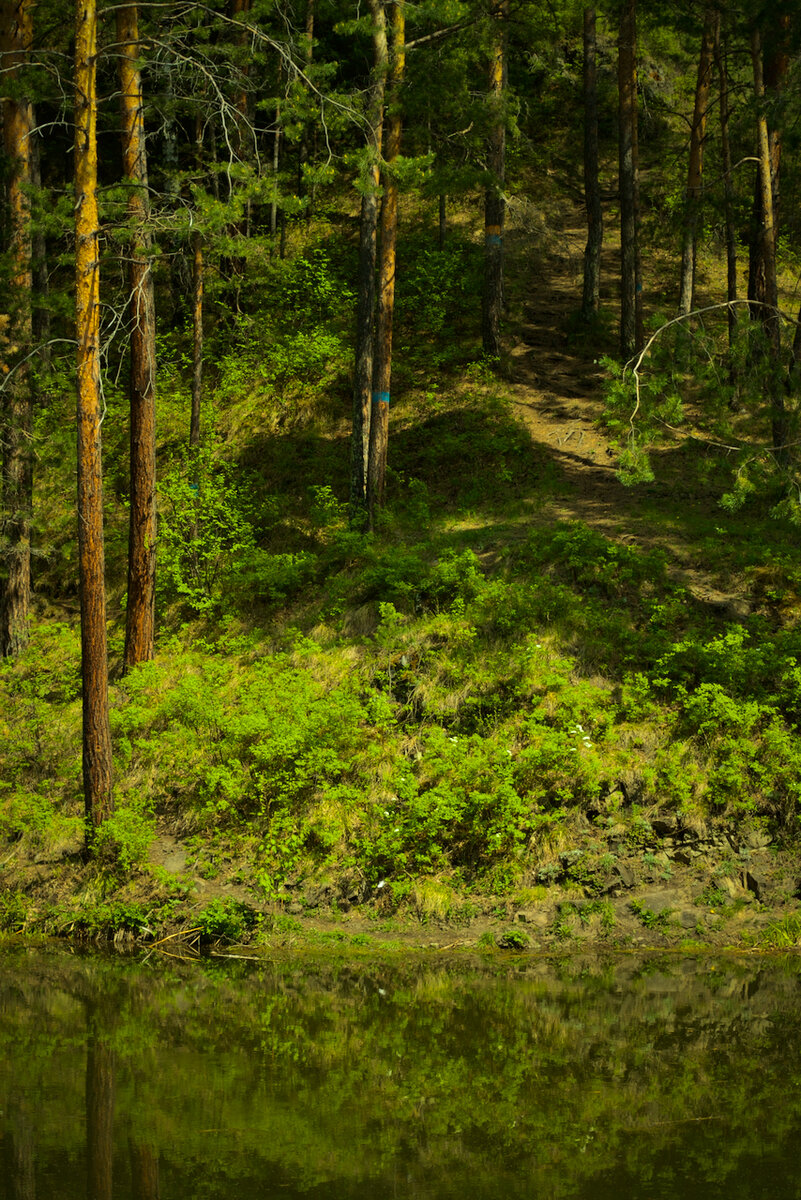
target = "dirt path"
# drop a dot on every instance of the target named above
(556, 388)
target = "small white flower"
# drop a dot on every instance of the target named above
(382, 883)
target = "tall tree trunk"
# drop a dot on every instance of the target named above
(276, 160)
(16, 40)
(197, 338)
(140, 615)
(721, 62)
(442, 223)
(363, 381)
(382, 370)
(692, 202)
(91, 557)
(630, 285)
(494, 203)
(303, 148)
(766, 233)
(775, 61)
(592, 184)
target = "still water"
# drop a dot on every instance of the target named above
(342, 1081)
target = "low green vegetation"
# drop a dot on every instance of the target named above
(416, 717)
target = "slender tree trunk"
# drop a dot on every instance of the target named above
(16, 40)
(721, 62)
(443, 221)
(592, 185)
(140, 614)
(276, 159)
(630, 286)
(775, 61)
(769, 313)
(91, 557)
(303, 148)
(494, 203)
(363, 381)
(382, 369)
(197, 305)
(197, 338)
(692, 203)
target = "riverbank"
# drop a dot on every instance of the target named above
(633, 884)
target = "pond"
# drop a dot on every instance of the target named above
(662, 1077)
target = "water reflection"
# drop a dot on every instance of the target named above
(650, 1079)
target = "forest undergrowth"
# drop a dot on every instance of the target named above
(530, 683)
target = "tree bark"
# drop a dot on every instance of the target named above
(382, 371)
(775, 61)
(630, 283)
(494, 203)
(721, 62)
(592, 186)
(768, 310)
(16, 40)
(140, 614)
(695, 169)
(365, 314)
(197, 338)
(91, 557)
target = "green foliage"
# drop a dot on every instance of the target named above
(15, 909)
(227, 920)
(650, 919)
(121, 843)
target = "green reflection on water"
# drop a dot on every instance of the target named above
(667, 1078)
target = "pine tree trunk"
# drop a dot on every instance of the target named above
(592, 186)
(365, 312)
(775, 62)
(382, 370)
(630, 285)
(91, 558)
(16, 40)
(303, 148)
(140, 614)
(721, 62)
(197, 338)
(766, 234)
(494, 203)
(692, 204)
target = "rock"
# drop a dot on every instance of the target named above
(664, 824)
(755, 883)
(624, 875)
(682, 857)
(658, 902)
(688, 918)
(295, 910)
(757, 839)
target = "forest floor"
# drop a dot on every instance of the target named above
(685, 885)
